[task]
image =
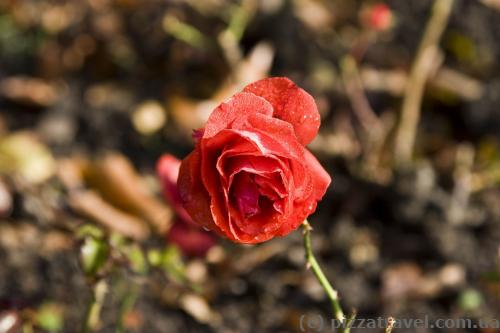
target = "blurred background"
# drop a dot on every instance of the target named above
(93, 92)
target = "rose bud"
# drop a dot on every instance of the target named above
(250, 178)
(378, 17)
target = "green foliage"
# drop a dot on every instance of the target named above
(184, 32)
(136, 258)
(170, 261)
(470, 299)
(16, 42)
(50, 317)
(94, 254)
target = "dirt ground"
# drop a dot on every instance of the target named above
(93, 92)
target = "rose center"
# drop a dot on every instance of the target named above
(253, 194)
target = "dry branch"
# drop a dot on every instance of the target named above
(423, 65)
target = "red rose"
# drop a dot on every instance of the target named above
(250, 178)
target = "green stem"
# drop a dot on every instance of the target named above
(318, 272)
(94, 308)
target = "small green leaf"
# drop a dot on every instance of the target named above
(154, 257)
(89, 230)
(136, 259)
(470, 299)
(173, 264)
(184, 32)
(50, 317)
(117, 240)
(94, 254)
(491, 276)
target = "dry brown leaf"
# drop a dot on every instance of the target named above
(32, 91)
(90, 204)
(5, 200)
(119, 183)
(198, 308)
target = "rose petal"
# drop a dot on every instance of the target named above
(258, 165)
(222, 212)
(277, 136)
(167, 169)
(193, 195)
(198, 134)
(321, 179)
(272, 185)
(246, 194)
(241, 148)
(291, 104)
(234, 111)
(210, 150)
(257, 228)
(191, 240)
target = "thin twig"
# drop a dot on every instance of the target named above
(375, 129)
(421, 70)
(390, 325)
(459, 202)
(355, 91)
(93, 312)
(350, 321)
(393, 82)
(230, 37)
(318, 272)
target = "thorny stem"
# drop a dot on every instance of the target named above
(318, 272)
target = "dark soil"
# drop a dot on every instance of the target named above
(389, 247)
